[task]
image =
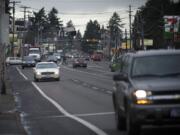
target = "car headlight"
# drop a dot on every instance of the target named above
(56, 72)
(38, 73)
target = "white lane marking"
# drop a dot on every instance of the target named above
(100, 70)
(95, 88)
(94, 114)
(62, 110)
(21, 73)
(79, 115)
(104, 77)
(109, 92)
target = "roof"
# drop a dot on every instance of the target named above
(154, 52)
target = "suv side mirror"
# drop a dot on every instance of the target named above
(120, 77)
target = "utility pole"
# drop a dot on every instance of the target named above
(126, 39)
(142, 31)
(23, 39)
(25, 11)
(130, 33)
(12, 45)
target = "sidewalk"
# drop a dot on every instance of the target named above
(10, 123)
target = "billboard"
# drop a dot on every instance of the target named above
(172, 28)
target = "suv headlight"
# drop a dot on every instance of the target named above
(141, 96)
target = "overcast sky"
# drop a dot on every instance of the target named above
(81, 11)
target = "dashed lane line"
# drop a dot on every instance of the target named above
(95, 75)
(92, 127)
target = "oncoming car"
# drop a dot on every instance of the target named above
(46, 70)
(147, 90)
(79, 62)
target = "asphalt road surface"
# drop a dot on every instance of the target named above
(79, 104)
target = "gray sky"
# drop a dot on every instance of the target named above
(81, 11)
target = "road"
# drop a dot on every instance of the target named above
(79, 104)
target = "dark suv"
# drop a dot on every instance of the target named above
(147, 90)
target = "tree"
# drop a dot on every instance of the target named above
(39, 23)
(70, 24)
(115, 26)
(78, 35)
(54, 24)
(91, 36)
(150, 19)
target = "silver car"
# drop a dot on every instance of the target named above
(46, 70)
(13, 61)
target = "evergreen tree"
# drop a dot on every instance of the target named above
(70, 24)
(78, 35)
(115, 26)
(91, 36)
(39, 23)
(150, 18)
(54, 24)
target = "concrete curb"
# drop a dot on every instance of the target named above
(10, 120)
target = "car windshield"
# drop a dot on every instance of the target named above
(156, 66)
(34, 51)
(29, 58)
(52, 57)
(57, 54)
(46, 65)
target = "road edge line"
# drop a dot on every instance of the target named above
(62, 110)
(92, 127)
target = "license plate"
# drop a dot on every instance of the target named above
(175, 113)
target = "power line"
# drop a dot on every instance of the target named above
(82, 13)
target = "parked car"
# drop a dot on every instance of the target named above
(46, 70)
(147, 90)
(52, 58)
(79, 62)
(28, 61)
(115, 64)
(13, 61)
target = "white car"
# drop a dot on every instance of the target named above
(13, 61)
(46, 70)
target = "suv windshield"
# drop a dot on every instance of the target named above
(156, 66)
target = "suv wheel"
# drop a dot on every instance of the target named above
(132, 127)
